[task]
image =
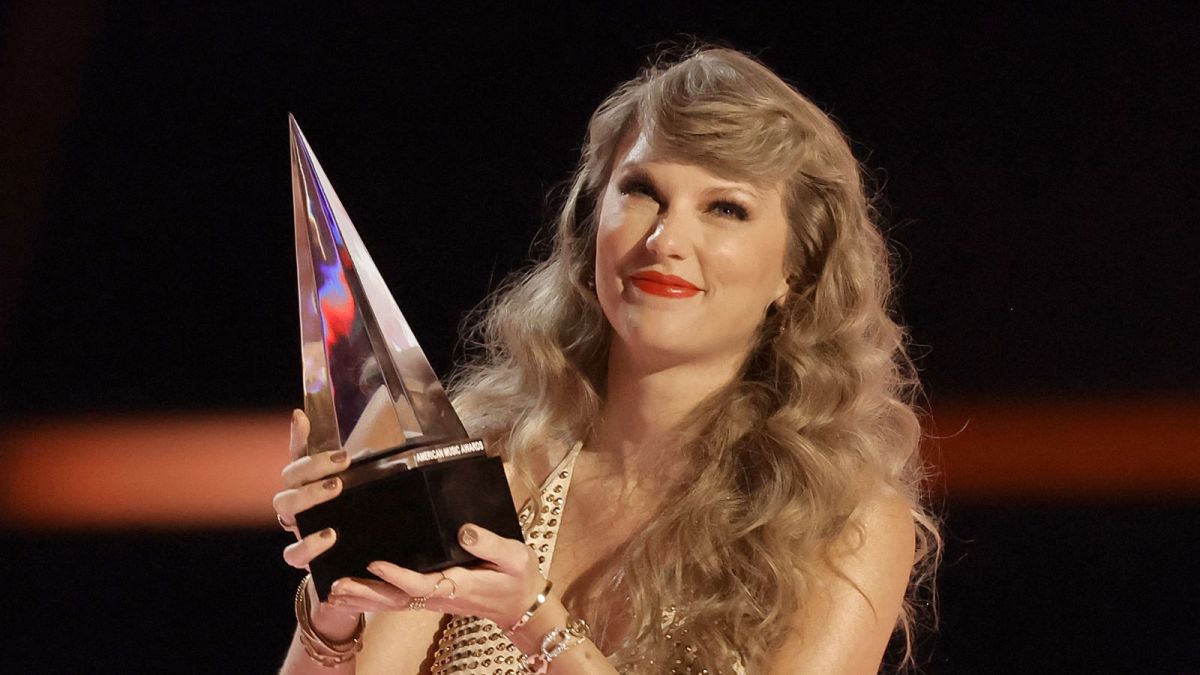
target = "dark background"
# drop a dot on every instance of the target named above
(1038, 169)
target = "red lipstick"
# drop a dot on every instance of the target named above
(663, 285)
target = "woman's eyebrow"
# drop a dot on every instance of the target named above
(634, 170)
(744, 188)
(637, 171)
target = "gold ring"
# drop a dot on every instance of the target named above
(453, 586)
(284, 525)
(418, 602)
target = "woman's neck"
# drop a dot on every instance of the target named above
(643, 410)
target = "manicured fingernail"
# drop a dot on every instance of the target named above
(374, 568)
(327, 533)
(330, 484)
(337, 600)
(467, 535)
(296, 415)
(338, 457)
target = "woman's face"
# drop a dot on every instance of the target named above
(686, 262)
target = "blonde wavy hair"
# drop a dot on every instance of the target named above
(820, 414)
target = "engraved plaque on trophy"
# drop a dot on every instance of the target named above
(415, 476)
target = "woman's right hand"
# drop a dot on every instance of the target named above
(307, 481)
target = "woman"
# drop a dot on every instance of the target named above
(707, 367)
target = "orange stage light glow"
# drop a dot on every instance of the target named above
(209, 470)
(222, 470)
(1068, 449)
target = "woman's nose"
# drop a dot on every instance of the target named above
(667, 239)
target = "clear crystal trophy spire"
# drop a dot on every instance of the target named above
(367, 385)
(368, 389)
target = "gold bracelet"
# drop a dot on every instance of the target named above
(537, 602)
(319, 649)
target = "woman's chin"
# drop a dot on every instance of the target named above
(658, 352)
(660, 340)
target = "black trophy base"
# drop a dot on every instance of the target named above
(411, 518)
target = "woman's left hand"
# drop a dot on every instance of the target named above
(501, 589)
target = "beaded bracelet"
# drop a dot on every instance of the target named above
(555, 643)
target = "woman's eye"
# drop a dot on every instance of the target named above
(638, 187)
(730, 210)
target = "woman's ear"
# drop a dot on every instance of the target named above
(781, 293)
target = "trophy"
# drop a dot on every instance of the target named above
(415, 476)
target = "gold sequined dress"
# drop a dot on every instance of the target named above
(475, 646)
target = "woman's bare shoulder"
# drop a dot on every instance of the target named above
(850, 611)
